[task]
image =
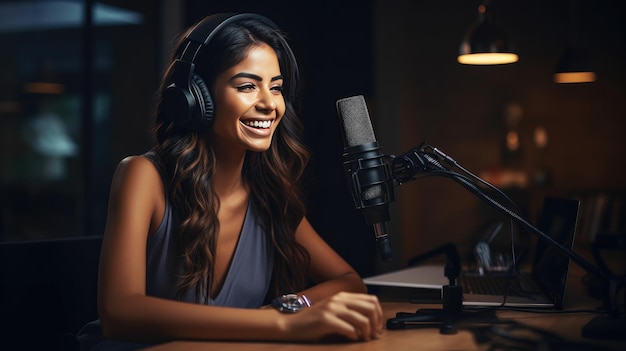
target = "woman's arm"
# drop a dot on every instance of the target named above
(332, 273)
(338, 281)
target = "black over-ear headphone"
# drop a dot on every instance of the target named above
(187, 100)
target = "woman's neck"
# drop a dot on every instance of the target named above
(227, 178)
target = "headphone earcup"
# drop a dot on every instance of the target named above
(204, 111)
(190, 107)
(178, 103)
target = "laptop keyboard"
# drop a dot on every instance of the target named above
(491, 285)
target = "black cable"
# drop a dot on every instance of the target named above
(456, 164)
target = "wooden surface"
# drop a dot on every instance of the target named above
(567, 326)
(426, 339)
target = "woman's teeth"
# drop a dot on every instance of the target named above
(258, 124)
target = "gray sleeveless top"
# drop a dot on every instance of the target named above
(246, 283)
(248, 276)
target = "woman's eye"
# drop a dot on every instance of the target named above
(245, 87)
(277, 88)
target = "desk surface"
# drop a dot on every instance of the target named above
(567, 326)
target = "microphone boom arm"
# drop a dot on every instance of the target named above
(420, 162)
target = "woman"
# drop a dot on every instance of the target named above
(206, 236)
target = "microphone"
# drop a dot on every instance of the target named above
(369, 176)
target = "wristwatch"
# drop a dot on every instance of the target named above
(291, 303)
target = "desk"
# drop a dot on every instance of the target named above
(567, 326)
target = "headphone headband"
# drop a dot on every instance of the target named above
(204, 31)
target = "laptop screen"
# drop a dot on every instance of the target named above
(558, 220)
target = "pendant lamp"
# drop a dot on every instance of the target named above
(485, 43)
(573, 66)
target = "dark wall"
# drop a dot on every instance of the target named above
(422, 94)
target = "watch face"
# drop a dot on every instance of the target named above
(291, 302)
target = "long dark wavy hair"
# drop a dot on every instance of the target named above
(274, 176)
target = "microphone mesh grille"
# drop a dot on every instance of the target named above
(355, 118)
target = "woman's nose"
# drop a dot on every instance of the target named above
(266, 100)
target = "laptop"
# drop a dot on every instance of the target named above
(541, 287)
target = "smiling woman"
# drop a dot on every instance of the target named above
(207, 231)
(250, 100)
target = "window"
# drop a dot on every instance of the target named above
(70, 83)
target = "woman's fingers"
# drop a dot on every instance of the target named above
(356, 325)
(369, 306)
(360, 314)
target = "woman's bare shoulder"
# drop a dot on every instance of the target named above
(137, 184)
(137, 164)
(137, 170)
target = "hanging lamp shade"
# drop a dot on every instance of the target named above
(574, 67)
(485, 43)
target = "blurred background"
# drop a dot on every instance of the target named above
(78, 82)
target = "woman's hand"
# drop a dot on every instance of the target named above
(353, 316)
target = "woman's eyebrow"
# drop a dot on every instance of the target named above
(254, 76)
